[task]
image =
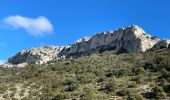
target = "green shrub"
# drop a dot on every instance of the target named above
(139, 70)
(89, 94)
(132, 85)
(71, 87)
(58, 97)
(3, 88)
(101, 79)
(159, 92)
(138, 79)
(122, 92)
(135, 96)
(86, 78)
(110, 87)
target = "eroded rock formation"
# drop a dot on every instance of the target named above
(129, 39)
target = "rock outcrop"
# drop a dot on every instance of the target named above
(161, 44)
(36, 55)
(129, 39)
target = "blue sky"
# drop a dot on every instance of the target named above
(65, 21)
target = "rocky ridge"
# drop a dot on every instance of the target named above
(161, 44)
(130, 39)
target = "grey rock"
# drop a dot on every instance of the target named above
(161, 44)
(36, 55)
(130, 39)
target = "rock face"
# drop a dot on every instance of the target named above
(36, 55)
(161, 44)
(129, 39)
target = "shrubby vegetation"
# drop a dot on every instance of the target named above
(101, 76)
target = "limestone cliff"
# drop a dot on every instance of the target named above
(130, 39)
(36, 55)
(161, 44)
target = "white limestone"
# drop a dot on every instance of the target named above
(36, 55)
(131, 39)
(162, 44)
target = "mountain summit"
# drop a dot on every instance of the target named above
(130, 39)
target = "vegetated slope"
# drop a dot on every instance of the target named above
(100, 76)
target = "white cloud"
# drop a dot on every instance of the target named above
(2, 62)
(39, 26)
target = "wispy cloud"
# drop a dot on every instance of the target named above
(39, 26)
(2, 44)
(2, 62)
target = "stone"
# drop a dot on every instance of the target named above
(130, 39)
(161, 44)
(36, 55)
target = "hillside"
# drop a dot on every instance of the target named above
(101, 76)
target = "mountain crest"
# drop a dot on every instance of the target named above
(131, 39)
